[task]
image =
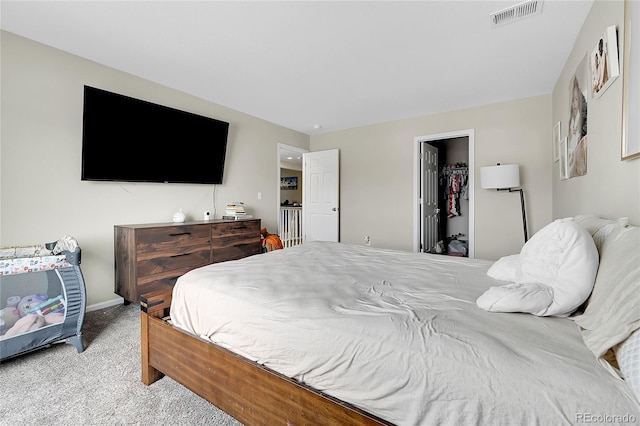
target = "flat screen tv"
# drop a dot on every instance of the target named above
(130, 140)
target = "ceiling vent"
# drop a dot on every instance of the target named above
(515, 13)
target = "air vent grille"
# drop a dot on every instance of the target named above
(515, 13)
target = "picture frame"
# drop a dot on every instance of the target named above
(631, 83)
(556, 141)
(563, 166)
(289, 183)
(579, 89)
(604, 62)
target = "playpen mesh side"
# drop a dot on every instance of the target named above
(76, 300)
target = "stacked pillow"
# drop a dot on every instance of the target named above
(504, 269)
(598, 227)
(628, 357)
(611, 320)
(613, 313)
(552, 276)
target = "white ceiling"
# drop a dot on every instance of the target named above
(290, 159)
(337, 64)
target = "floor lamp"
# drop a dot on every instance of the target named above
(502, 178)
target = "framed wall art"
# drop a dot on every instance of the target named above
(604, 62)
(556, 141)
(631, 82)
(577, 127)
(563, 165)
(289, 182)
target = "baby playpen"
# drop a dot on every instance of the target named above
(42, 297)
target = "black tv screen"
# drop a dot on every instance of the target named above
(131, 140)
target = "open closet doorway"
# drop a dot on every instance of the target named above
(289, 199)
(443, 194)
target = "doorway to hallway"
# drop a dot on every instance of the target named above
(289, 199)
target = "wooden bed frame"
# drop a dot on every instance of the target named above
(251, 393)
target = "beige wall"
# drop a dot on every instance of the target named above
(377, 169)
(611, 187)
(42, 197)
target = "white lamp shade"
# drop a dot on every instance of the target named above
(500, 177)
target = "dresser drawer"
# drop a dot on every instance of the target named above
(235, 240)
(167, 278)
(167, 239)
(169, 259)
(225, 229)
(235, 232)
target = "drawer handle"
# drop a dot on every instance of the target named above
(180, 233)
(181, 254)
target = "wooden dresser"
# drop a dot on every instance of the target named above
(151, 256)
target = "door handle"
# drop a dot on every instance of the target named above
(334, 209)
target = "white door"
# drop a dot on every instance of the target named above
(320, 196)
(429, 195)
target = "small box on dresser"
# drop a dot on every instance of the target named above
(151, 256)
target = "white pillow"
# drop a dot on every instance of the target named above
(527, 298)
(598, 227)
(504, 269)
(613, 312)
(628, 357)
(561, 257)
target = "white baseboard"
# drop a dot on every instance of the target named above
(107, 304)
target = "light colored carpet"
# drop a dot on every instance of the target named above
(100, 386)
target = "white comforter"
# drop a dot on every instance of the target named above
(399, 335)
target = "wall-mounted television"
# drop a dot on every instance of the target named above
(130, 140)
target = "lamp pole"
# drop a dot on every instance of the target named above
(524, 215)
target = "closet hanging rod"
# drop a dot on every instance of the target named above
(455, 170)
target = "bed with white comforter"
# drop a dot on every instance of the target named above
(399, 335)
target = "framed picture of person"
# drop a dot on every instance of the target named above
(577, 127)
(604, 63)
